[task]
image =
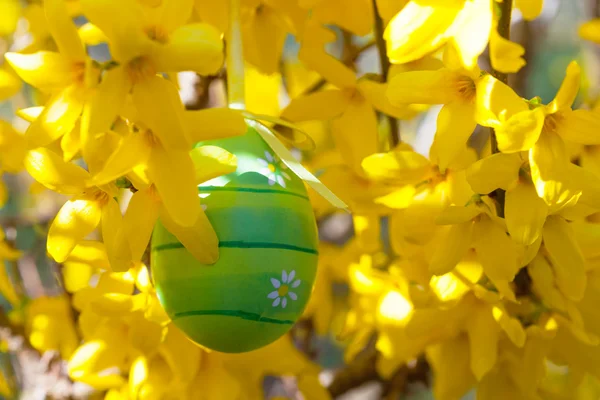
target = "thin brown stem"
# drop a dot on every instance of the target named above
(505, 10)
(385, 68)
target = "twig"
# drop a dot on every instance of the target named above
(363, 369)
(505, 10)
(360, 371)
(385, 68)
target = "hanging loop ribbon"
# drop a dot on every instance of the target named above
(288, 158)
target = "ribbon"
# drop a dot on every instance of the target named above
(278, 121)
(288, 158)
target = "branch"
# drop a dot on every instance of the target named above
(363, 369)
(360, 371)
(385, 68)
(505, 10)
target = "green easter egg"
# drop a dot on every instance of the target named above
(268, 245)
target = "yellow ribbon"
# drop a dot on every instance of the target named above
(235, 86)
(288, 158)
(278, 121)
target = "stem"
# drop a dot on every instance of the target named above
(505, 9)
(235, 59)
(385, 68)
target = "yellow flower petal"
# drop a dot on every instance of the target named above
(496, 100)
(424, 87)
(44, 70)
(388, 8)
(580, 126)
(264, 36)
(549, 166)
(159, 106)
(521, 131)
(355, 17)
(452, 379)
(104, 105)
(115, 239)
(10, 84)
(590, 30)
(70, 143)
(13, 147)
(122, 23)
(511, 326)
(529, 8)
(587, 183)
(96, 150)
(568, 89)
(200, 239)
(498, 170)
(29, 114)
(112, 305)
(173, 175)
(53, 172)
(506, 56)
(455, 124)
(525, 213)
(476, 16)
(213, 123)
(11, 12)
(58, 117)
(587, 235)
(139, 221)
(115, 282)
(484, 334)
(183, 356)
(495, 249)
(457, 215)
(91, 35)
(322, 105)
(567, 260)
(543, 283)
(400, 167)
(312, 53)
(133, 150)
(451, 249)
(76, 275)
(375, 93)
(90, 252)
(419, 29)
(211, 162)
(75, 220)
(63, 30)
(169, 15)
(355, 133)
(193, 47)
(498, 385)
(91, 358)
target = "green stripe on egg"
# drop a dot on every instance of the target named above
(263, 279)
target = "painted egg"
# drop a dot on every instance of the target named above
(268, 241)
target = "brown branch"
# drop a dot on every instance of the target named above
(385, 69)
(363, 369)
(505, 10)
(360, 371)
